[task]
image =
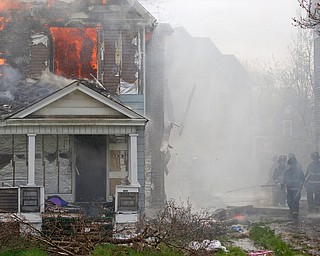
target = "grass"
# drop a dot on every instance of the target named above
(266, 238)
(112, 250)
(24, 252)
(233, 251)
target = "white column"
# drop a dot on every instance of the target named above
(133, 160)
(31, 159)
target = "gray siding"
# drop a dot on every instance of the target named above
(141, 168)
(134, 101)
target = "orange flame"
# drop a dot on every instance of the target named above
(104, 2)
(240, 217)
(2, 22)
(75, 51)
(2, 61)
(9, 5)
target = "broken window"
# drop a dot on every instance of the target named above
(75, 51)
(52, 162)
(56, 164)
(118, 174)
(13, 160)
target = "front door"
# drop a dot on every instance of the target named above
(90, 168)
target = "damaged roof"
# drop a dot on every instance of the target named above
(28, 96)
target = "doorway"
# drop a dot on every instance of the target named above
(91, 167)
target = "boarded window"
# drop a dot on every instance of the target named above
(118, 155)
(13, 160)
(56, 165)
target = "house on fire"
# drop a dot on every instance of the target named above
(74, 113)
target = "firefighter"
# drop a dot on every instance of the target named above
(279, 195)
(312, 182)
(298, 164)
(293, 181)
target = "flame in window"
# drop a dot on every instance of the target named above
(75, 51)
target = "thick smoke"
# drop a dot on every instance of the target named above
(9, 81)
(210, 94)
(17, 93)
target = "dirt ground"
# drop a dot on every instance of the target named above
(302, 234)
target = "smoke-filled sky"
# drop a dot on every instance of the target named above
(249, 29)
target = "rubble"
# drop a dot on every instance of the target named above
(302, 234)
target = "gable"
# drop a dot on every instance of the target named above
(77, 104)
(77, 101)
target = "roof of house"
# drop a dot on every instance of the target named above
(26, 97)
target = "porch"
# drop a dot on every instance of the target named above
(77, 144)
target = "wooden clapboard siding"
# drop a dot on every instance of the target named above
(134, 101)
(39, 60)
(140, 163)
(77, 104)
(111, 81)
(128, 68)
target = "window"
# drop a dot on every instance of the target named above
(75, 51)
(287, 127)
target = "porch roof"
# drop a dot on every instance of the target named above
(78, 108)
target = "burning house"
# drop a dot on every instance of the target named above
(73, 81)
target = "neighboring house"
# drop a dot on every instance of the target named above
(292, 133)
(284, 123)
(210, 115)
(73, 104)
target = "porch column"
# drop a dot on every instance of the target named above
(31, 159)
(133, 160)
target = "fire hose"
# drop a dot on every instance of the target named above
(256, 186)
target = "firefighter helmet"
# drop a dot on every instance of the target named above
(282, 158)
(292, 161)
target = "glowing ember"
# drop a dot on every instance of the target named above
(75, 51)
(2, 61)
(240, 217)
(3, 22)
